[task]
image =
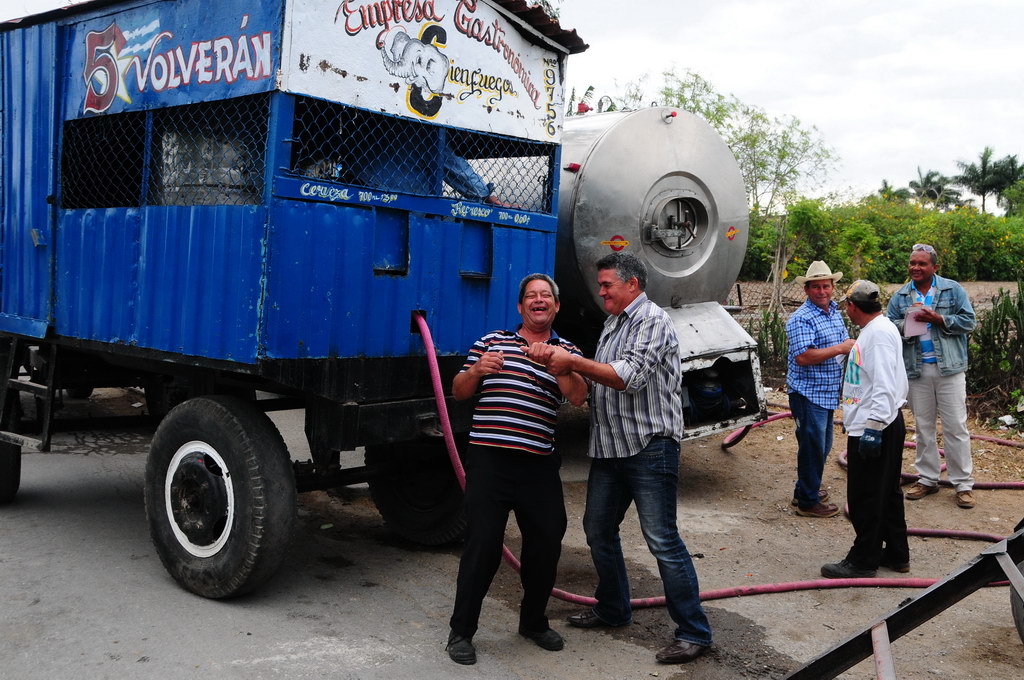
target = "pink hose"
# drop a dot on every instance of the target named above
(736, 435)
(911, 477)
(739, 591)
(789, 414)
(823, 584)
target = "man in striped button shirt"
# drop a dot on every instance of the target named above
(636, 423)
(512, 465)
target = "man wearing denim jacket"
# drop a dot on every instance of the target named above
(936, 362)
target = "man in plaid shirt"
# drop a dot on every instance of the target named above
(636, 422)
(818, 341)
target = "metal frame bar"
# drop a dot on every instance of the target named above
(884, 668)
(998, 560)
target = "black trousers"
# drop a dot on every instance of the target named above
(876, 500)
(499, 481)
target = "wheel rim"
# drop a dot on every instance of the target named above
(199, 498)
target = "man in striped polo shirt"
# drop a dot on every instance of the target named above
(636, 417)
(512, 465)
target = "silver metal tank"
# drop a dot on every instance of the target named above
(658, 182)
(662, 184)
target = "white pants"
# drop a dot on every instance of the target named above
(946, 396)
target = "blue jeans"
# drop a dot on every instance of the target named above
(813, 441)
(649, 480)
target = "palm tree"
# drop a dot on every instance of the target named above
(1008, 172)
(890, 193)
(979, 178)
(934, 187)
(946, 196)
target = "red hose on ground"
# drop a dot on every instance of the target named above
(735, 436)
(824, 584)
(911, 477)
(637, 603)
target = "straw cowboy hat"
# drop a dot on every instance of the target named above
(818, 271)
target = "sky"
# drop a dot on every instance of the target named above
(891, 85)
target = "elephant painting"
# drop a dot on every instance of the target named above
(419, 63)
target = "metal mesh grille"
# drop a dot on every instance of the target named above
(344, 144)
(211, 153)
(103, 160)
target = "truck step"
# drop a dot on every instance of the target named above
(23, 441)
(37, 389)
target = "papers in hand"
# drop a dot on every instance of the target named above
(911, 326)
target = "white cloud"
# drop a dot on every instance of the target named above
(891, 85)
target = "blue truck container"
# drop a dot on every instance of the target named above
(214, 199)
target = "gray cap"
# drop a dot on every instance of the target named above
(862, 290)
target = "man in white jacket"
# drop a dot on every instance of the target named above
(874, 390)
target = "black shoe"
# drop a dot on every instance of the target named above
(900, 567)
(547, 639)
(461, 650)
(845, 569)
(680, 651)
(586, 619)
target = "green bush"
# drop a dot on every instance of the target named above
(772, 347)
(996, 370)
(872, 239)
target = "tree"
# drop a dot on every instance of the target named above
(934, 188)
(893, 195)
(698, 96)
(856, 245)
(1008, 173)
(979, 178)
(1013, 199)
(777, 157)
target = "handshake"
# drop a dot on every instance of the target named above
(556, 359)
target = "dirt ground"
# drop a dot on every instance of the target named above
(736, 518)
(735, 515)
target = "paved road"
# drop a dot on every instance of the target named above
(83, 593)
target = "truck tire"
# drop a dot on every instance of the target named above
(10, 471)
(418, 495)
(1017, 607)
(220, 496)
